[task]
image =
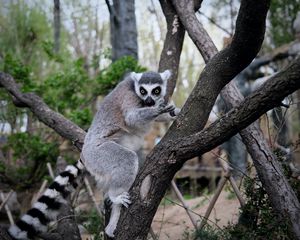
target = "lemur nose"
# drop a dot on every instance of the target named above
(149, 102)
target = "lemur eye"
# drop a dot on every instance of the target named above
(143, 91)
(156, 91)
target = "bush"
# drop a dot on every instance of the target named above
(30, 155)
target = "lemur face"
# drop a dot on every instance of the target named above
(151, 86)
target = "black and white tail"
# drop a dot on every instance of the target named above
(47, 207)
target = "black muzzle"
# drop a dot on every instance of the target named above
(149, 102)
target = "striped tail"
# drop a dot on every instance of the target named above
(47, 207)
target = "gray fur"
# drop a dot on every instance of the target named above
(116, 136)
(151, 78)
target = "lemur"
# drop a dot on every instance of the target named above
(110, 150)
(47, 207)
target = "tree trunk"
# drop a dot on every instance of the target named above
(56, 13)
(123, 30)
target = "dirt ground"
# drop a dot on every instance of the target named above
(171, 221)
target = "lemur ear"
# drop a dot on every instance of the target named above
(166, 75)
(136, 76)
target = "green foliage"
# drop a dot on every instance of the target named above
(209, 233)
(82, 117)
(109, 77)
(258, 219)
(188, 196)
(2, 167)
(20, 72)
(94, 225)
(48, 48)
(71, 91)
(30, 154)
(68, 92)
(22, 30)
(282, 16)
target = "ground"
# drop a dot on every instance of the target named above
(172, 223)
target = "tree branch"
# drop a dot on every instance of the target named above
(280, 193)
(52, 119)
(222, 67)
(170, 55)
(268, 96)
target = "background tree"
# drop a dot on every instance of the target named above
(56, 13)
(123, 31)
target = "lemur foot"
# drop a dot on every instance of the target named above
(123, 199)
(109, 230)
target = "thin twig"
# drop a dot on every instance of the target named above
(200, 216)
(50, 170)
(214, 199)
(76, 194)
(6, 199)
(8, 212)
(180, 198)
(232, 165)
(41, 190)
(215, 23)
(60, 219)
(237, 191)
(233, 183)
(91, 194)
(152, 234)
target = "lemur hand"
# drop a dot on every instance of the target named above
(164, 108)
(175, 112)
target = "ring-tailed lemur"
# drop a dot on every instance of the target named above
(110, 148)
(117, 133)
(47, 207)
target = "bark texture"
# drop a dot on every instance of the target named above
(271, 175)
(123, 31)
(67, 227)
(170, 55)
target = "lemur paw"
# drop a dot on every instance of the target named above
(109, 230)
(164, 109)
(161, 102)
(175, 112)
(123, 199)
